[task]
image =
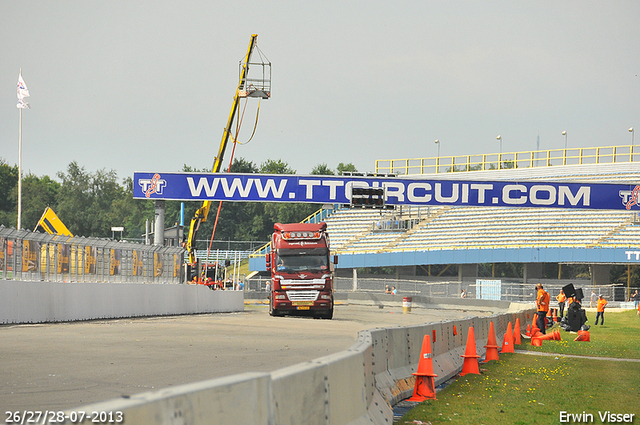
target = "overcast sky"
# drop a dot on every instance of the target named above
(148, 85)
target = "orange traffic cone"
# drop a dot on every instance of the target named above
(425, 386)
(516, 333)
(492, 346)
(470, 364)
(535, 330)
(507, 341)
(553, 336)
(536, 341)
(555, 315)
(583, 336)
(528, 332)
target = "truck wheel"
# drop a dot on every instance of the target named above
(328, 315)
(272, 311)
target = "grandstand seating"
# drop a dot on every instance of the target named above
(464, 227)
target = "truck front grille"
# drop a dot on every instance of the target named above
(302, 295)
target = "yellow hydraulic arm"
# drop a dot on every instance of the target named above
(202, 212)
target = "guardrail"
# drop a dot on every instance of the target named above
(494, 161)
(355, 386)
(26, 255)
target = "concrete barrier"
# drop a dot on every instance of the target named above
(353, 387)
(41, 302)
(213, 401)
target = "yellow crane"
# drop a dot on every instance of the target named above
(247, 87)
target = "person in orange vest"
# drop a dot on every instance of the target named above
(570, 301)
(542, 303)
(602, 303)
(561, 299)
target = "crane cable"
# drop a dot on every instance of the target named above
(254, 126)
(235, 141)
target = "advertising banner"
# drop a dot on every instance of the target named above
(398, 191)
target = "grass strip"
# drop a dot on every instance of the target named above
(525, 389)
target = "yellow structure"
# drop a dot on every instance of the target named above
(260, 88)
(52, 224)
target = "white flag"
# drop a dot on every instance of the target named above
(23, 92)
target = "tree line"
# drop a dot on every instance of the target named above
(90, 203)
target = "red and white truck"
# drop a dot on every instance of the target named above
(301, 272)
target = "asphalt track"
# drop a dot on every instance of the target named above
(67, 365)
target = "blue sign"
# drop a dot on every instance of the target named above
(398, 190)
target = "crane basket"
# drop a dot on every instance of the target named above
(257, 82)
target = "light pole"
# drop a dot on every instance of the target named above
(437, 142)
(499, 138)
(564, 133)
(631, 131)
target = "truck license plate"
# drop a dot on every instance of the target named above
(303, 307)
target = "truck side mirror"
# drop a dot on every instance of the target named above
(335, 259)
(268, 258)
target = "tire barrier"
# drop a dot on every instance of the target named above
(357, 386)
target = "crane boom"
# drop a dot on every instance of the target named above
(202, 213)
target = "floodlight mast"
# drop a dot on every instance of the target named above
(201, 213)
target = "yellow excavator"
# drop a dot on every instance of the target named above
(52, 224)
(247, 87)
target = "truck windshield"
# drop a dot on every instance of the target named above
(293, 260)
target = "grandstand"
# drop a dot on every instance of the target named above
(468, 235)
(466, 227)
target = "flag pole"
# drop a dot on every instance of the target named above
(20, 168)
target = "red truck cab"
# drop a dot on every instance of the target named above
(301, 273)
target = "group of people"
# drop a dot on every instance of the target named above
(218, 284)
(391, 290)
(542, 302)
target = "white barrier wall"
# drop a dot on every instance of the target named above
(353, 387)
(40, 302)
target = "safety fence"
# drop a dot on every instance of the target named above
(482, 288)
(485, 288)
(32, 256)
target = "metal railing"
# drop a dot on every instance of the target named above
(508, 160)
(509, 290)
(30, 256)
